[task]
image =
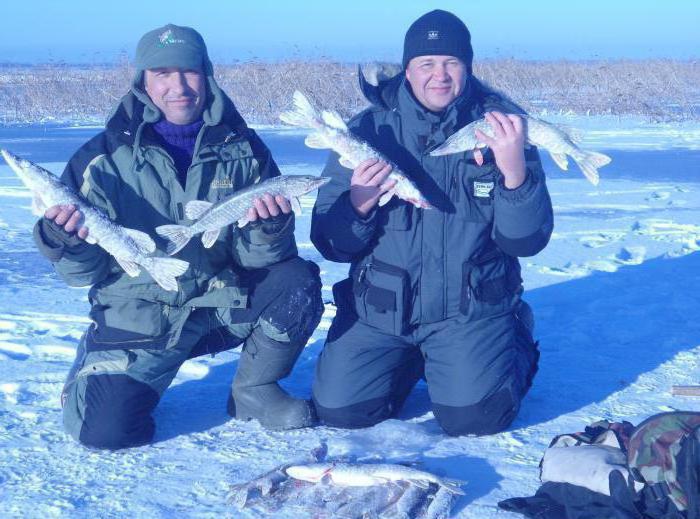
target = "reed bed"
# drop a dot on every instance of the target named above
(660, 89)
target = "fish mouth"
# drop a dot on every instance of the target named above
(320, 181)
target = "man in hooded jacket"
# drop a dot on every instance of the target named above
(176, 137)
(432, 293)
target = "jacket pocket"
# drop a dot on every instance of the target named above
(491, 285)
(124, 324)
(381, 292)
(396, 215)
(472, 190)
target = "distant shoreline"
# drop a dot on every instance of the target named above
(656, 89)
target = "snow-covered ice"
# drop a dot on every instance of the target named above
(615, 294)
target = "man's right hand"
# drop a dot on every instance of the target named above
(368, 184)
(68, 218)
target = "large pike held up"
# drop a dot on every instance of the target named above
(210, 218)
(542, 134)
(330, 131)
(131, 248)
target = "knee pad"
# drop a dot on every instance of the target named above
(355, 416)
(298, 308)
(117, 412)
(489, 416)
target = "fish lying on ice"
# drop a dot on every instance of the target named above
(368, 474)
(542, 134)
(131, 248)
(210, 218)
(330, 131)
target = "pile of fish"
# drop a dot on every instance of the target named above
(542, 134)
(330, 131)
(348, 490)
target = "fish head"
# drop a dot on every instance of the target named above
(24, 169)
(312, 473)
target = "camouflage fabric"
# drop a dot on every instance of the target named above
(654, 447)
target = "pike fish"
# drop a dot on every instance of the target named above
(542, 134)
(330, 131)
(368, 474)
(210, 217)
(131, 248)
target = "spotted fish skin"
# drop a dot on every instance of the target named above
(130, 248)
(329, 131)
(368, 474)
(539, 133)
(210, 218)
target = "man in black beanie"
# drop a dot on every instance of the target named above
(432, 293)
(176, 138)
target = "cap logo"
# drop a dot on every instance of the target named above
(433, 35)
(168, 38)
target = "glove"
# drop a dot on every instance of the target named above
(52, 240)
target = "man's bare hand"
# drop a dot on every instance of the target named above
(508, 145)
(269, 206)
(368, 184)
(69, 218)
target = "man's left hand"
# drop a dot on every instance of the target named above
(269, 206)
(508, 145)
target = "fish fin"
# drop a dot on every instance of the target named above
(129, 267)
(589, 164)
(454, 486)
(346, 163)
(196, 208)
(420, 483)
(143, 240)
(176, 237)
(209, 237)
(243, 222)
(164, 271)
(334, 120)
(384, 199)
(560, 159)
(572, 133)
(316, 141)
(303, 114)
(90, 239)
(296, 205)
(38, 205)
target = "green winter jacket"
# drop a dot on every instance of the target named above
(411, 266)
(124, 172)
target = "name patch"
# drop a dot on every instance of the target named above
(221, 183)
(483, 189)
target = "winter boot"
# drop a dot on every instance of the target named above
(256, 394)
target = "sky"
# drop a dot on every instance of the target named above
(86, 31)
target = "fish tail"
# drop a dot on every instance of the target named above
(303, 114)
(165, 271)
(177, 236)
(589, 162)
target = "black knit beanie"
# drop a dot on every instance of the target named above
(438, 33)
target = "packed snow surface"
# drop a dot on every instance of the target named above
(615, 294)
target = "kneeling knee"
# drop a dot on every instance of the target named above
(355, 416)
(489, 416)
(117, 413)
